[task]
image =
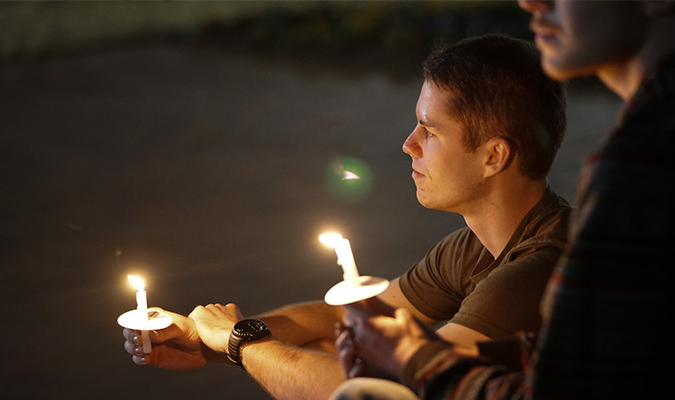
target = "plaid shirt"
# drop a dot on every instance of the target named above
(609, 304)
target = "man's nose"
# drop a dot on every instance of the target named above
(411, 146)
(533, 6)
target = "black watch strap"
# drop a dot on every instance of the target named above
(246, 330)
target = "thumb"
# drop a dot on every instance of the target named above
(402, 315)
(180, 326)
(405, 319)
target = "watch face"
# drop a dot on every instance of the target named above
(249, 328)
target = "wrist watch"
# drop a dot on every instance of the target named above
(246, 330)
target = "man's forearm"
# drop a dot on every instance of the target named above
(286, 365)
(303, 323)
(290, 372)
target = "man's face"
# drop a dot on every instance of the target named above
(448, 177)
(578, 38)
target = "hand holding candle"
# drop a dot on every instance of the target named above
(139, 318)
(142, 309)
(354, 287)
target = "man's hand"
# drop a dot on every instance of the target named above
(353, 365)
(214, 323)
(177, 347)
(371, 343)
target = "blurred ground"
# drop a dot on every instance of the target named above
(203, 168)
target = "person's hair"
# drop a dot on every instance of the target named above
(500, 90)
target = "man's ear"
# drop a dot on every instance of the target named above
(498, 155)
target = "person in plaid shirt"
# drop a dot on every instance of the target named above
(609, 305)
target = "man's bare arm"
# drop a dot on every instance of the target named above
(310, 325)
(289, 372)
(287, 365)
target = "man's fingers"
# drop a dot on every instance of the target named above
(233, 311)
(347, 354)
(130, 335)
(139, 360)
(358, 368)
(132, 348)
(179, 324)
(352, 365)
(343, 334)
(179, 327)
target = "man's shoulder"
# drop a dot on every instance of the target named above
(552, 214)
(546, 227)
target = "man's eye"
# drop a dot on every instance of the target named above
(427, 133)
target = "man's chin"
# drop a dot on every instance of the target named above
(423, 200)
(559, 72)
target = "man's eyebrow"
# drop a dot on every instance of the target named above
(424, 122)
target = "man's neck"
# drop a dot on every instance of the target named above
(497, 220)
(624, 78)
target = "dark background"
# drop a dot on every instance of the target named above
(192, 143)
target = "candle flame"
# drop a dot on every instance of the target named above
(330, 239)
(136, 282)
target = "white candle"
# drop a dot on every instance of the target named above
(142, 309)
(343, 250)
(142, 304)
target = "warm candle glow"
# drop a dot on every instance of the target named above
(136, 282)
(344, 254)
(330, 239)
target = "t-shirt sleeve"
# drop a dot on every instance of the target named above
(508, 299)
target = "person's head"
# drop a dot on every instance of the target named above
(578, 38)
(490, 94)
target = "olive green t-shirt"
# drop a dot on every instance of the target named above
(459, 280)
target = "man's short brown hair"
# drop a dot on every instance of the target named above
(500, 90)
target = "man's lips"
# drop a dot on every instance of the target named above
(543, 29)
(416, 174)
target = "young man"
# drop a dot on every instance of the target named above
(607, 310)
(489, 123)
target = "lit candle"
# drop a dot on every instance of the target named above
(142, 309)
(344, 255)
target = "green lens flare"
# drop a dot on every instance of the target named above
(348, 179)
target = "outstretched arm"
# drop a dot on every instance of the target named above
(287, 365)
(309, 325)
(282, 367)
